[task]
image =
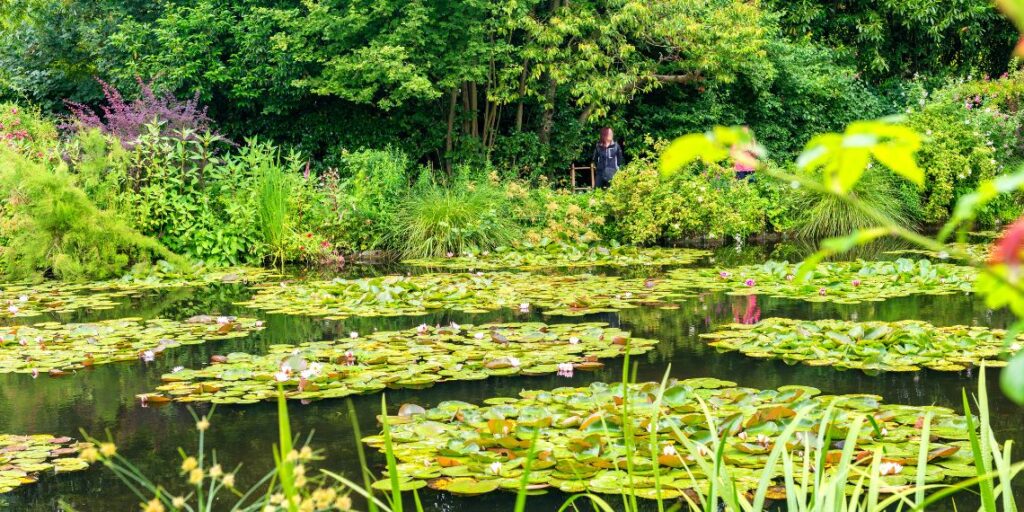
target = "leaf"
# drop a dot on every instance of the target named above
(1012, 379)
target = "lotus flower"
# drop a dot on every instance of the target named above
(149, 356)
(889, 468)
(565, 369)
(855, 282)
(573, 340)
(749, 282)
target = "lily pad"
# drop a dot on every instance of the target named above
(24, 458)
(564, 256)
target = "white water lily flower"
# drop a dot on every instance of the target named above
(422, 328)
(353, 335)
(455, 326)
(565, 369)
(23, 298)
(259, 323)
(889, 468)
(479, 335)
(12, 309)
(514, 361)
(669, 450)
(149, 356)
(35, 373)
(177, 369)
(495, 467)
(884, 432)
(221, 320)
(281, 376)
(524, 306)
(743, 435)
(574, 340)
(763, 439)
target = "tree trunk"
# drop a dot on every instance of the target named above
(586, 114)
(548, 119)
(474, 110)
(522, 95)
(448, 143)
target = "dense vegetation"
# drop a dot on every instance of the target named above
(310, 132)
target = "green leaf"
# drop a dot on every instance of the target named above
(1012, 379)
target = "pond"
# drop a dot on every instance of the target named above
(102, 398)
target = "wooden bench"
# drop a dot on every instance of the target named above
(584, 168)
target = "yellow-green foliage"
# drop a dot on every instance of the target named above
(695, 202)
(48, 227)
(25, 131)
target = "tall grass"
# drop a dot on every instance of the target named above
(272, 207)
(826, 215)
(436, 221)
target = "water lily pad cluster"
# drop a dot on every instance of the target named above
(841, 282)
(978, 252)
(24, 458)
(564, 255)
(33, 299)
(468, 449)
(472, 293)
(413, 358)
(907, 345)
(54, 348)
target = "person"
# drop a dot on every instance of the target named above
(744, 159)
(607, 158)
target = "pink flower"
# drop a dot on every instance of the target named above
(855, 282)
(565, 369)
(723, 274)
(749, 282)
(822, 292)
(790, 277)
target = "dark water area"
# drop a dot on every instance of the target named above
(101, 400)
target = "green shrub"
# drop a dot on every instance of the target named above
(48, 227)
(972, 132)
(357, 212)
(466, 217)
(272, 193)
(27, 132)
(549, 214)
(701, 201)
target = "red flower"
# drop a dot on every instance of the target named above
(1008, 249)
(309, 235)
(325, 244)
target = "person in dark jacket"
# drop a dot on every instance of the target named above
(607, 158)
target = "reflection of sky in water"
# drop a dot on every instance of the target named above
(102, 399)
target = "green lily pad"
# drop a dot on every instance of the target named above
(24, 458)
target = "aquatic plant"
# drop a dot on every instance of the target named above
(841, 282)
(24, 458)
(56, 349)
(563, 255)
(573, 295)
(585, 442)
(27, 299)
(826, 215)
(415, 358)
(906, 345)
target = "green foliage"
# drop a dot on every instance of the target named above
(272, 192)
(467, 217)
(550, 215)
(50, 228)
(973, 135)
(825, 215)
(702, 200)
(897, 38)
(25, 130)
(355, 205)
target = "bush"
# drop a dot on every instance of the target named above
(48, 227)
(701, 201)
(548, 214)
(973, 132)
(355, 205)
(25, 131)
(466, 217)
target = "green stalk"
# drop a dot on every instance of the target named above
(361, 452)
(389, 452)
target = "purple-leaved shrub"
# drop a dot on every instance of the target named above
(127, 120)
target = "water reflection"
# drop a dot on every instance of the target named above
(101, 399)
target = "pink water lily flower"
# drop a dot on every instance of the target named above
(749, 282)
(724, 275)
(856, 282)
(565, 369)
(149, 356)
(12, 309)
(790, 277)
(822, 292)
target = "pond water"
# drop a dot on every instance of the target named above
(102, 399)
